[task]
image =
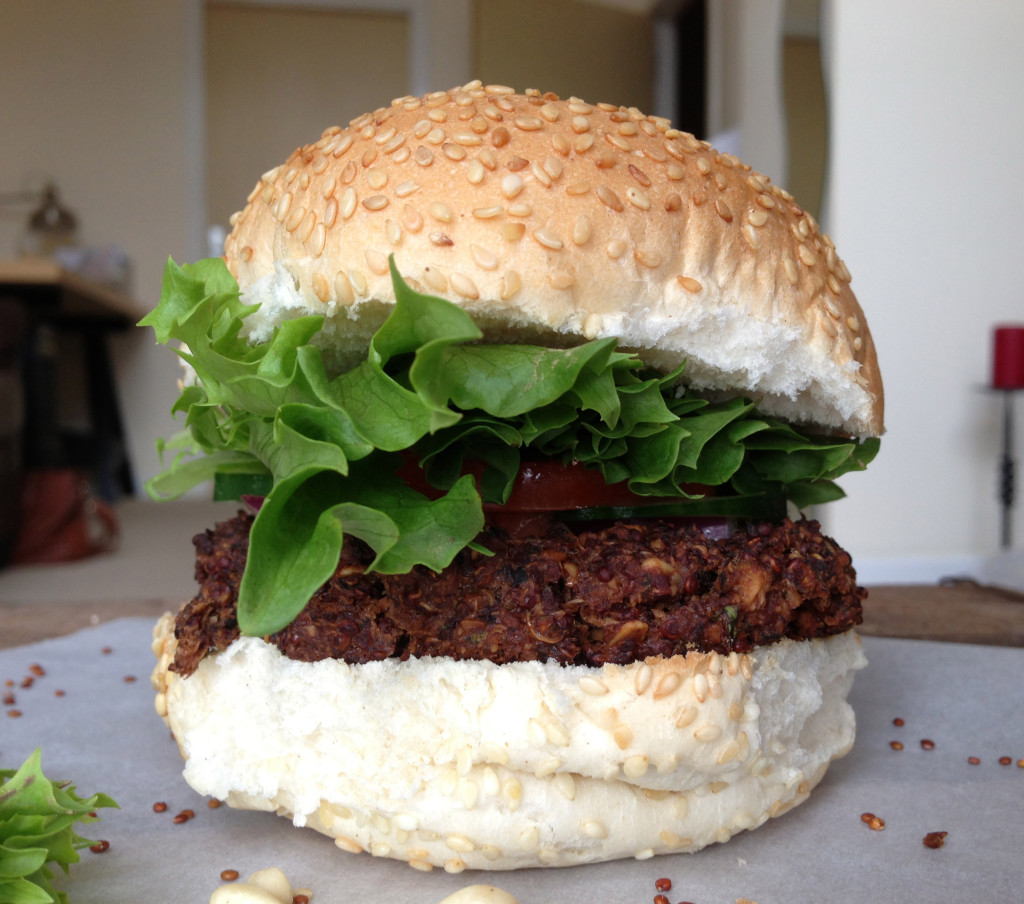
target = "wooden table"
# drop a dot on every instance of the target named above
(961, 612)
(61, 301)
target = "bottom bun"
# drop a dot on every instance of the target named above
(472, 765)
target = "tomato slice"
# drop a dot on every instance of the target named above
(550, 486)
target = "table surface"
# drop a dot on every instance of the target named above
(91, 711)
(961, 612)
(81, 297)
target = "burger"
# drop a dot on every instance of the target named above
(523, 399)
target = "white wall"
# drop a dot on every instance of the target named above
(924, 201)
(108, 100)
(99, 96)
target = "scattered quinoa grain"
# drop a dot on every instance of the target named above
(660, 899)
(14, 713)
(663, 885)
(129, 679)
(1005, 760)
(973, 760)
(159, 807)
(8, 699)
(100, 847)
(229, 875)
(59, 693)
(184, 816)
(213, 803)
(875, 823)
(927, 744)
(935, 839)
(896, 745)
(898, 722)
(106, 651)
(37, 670)
(300, 899)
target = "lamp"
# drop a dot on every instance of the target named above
(50, 224)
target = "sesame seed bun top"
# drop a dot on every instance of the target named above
(555, 221)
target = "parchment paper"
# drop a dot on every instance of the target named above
(104, 735)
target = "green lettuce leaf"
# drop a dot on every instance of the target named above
(37, 832)
(268, 418)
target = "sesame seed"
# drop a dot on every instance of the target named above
(667, 685)
(376, 261)
(475, 172)
(617, 141)
(581, 230)
(609, 198)
(483, 258)
(647, 258)
(552, 167)
(594, 828)
(561, 279)
(583, 143)
(722, 209)
(347, 204)
(520, 209)
(375, 202)
(635, 766)
(513, 232)
(638, 199)
(358, 282)
(453, 151)
(435, 279)
(464, 286)
(707, 733)
(700, 687)
(540, 174)
(593, 686)
(487, 213)
(565, 784)
(642, 679)
(548, 239)
(623, 736)
(440, 211)
(615, 249)
(528, 123)
(511, 283)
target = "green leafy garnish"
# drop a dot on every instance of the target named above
(268, 419)
(37, 819)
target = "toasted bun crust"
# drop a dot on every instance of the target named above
(555, 221)
(475, 765)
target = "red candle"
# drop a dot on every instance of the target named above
(1008, 358)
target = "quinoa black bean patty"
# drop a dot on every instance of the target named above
(615, 595)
